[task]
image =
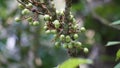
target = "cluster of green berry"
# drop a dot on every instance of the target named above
(65, 33)
(26, 12)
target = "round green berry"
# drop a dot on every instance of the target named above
(57, 44)
(86, 50)
(47, 32)
(62, 37)
(56, 23)
(29, 19)
(35, 22)
(79, 44)
(75, 26)
(75, 36)
(70, 46)
(71, 17)
(82, 29)
(25, 11)
(45, 27)
(17, 19)
(29, 5)
(21, 6)
(47, 17)
(67, 38)
(65, 45)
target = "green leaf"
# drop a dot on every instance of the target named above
(74, 62)
(117, 66)
(113, 43)
(118, 55)
(116, 23)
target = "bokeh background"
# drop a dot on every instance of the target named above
(25, 46)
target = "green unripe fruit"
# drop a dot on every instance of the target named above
(71, 17)
(21, 6)
(75, 26)
(57, 44)
(53, 31)
(82, 29)
(60, 12)
(65, 45)
(17, 19)
(25, 11)
(29, 5)
(79, 44)
(29, 19)
(56, 23)
(30, 23)
(70, 46)
(57, 12)
(67, 38)
(47, 17)
(86, 50)
(62, 37)
(47, 32)
(45, 27)
(75, 36)
(73, 20)
(35, 22)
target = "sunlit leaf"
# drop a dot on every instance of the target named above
(113, 43)
(117, 66)
(116, 23)
(74, 62)
(118, 55)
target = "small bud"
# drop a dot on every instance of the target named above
(62, 37)
(47, 32)
(47, 17)
(17, 19)
(67, 38)
(29, 5)
(82, 29)
(86, 50)
(25, 11)
(56, 23)
(75, 36)
(35, 23)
